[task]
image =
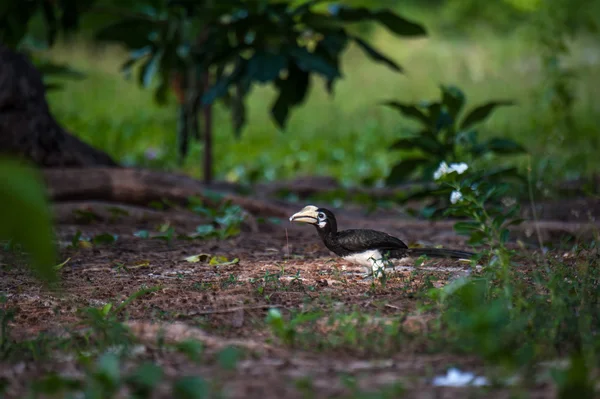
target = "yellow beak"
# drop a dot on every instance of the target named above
(307, 215)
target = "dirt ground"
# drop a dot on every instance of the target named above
(280, 265)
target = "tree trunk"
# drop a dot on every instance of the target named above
(28, 129)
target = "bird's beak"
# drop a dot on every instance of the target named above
(307, 215)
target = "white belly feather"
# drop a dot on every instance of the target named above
(372, 260)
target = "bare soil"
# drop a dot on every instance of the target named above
(225, 305)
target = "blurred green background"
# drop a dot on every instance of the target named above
(543, 55)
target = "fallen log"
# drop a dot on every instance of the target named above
(141, 187)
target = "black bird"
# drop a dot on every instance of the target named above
(370, 248)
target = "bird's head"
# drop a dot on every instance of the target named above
(323, 219)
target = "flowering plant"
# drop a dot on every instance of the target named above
(446, 133)
(489, 206)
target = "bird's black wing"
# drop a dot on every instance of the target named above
(364, 239)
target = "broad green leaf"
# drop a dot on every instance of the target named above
(205, 230)
(25, 215)
(193, 349)
(144, 379)
(482, 112)
(108, 370)
(312, 62)
(190, 387)
(292, 92)
(395, 23)
(454, 100)
(410, 111)
(330, 49)
(376, 55)
(405, 168)
(265, 66)
(504, 146)
(334, 43)
(228, 357)
(476, 238)
(131, 32)
(50, 69)
(422, 142)
(221, 87)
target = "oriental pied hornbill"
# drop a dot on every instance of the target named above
(370, 248)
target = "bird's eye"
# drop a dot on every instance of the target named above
(321, 216)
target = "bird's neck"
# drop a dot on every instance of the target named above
(328, 236)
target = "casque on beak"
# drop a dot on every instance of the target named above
(308, 214)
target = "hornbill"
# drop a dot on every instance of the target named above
(370, 248)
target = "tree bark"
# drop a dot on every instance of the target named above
(28, 129)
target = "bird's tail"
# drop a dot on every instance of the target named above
(440, 253)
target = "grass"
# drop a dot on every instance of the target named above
(344, 136)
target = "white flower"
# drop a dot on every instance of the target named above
(444, 169)
(455, 196)
(456, 378)
(441, 171)
(459, 168)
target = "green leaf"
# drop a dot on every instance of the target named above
(190, 387)
(476, 238)
(108, 370)
(51, 21)
(410, 111)
(396, 24)
(504, 146)
(144, 379)
(405, 168)
(504, 236)
(454, 100)
(376, 55)
(514, 222)
(292, 92)
(104, 238)
(466, 227)
(312, 62)
(132, 32)
(228, 357)
(238, 108)
(142, 234)
(149, 69)
(53, 384)
(191, 348)
(265, 66)
(221, 87)
(422, 142)
(482, 112)
(330, 48)
(72, 10)
(26, 217)
(50, 69)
